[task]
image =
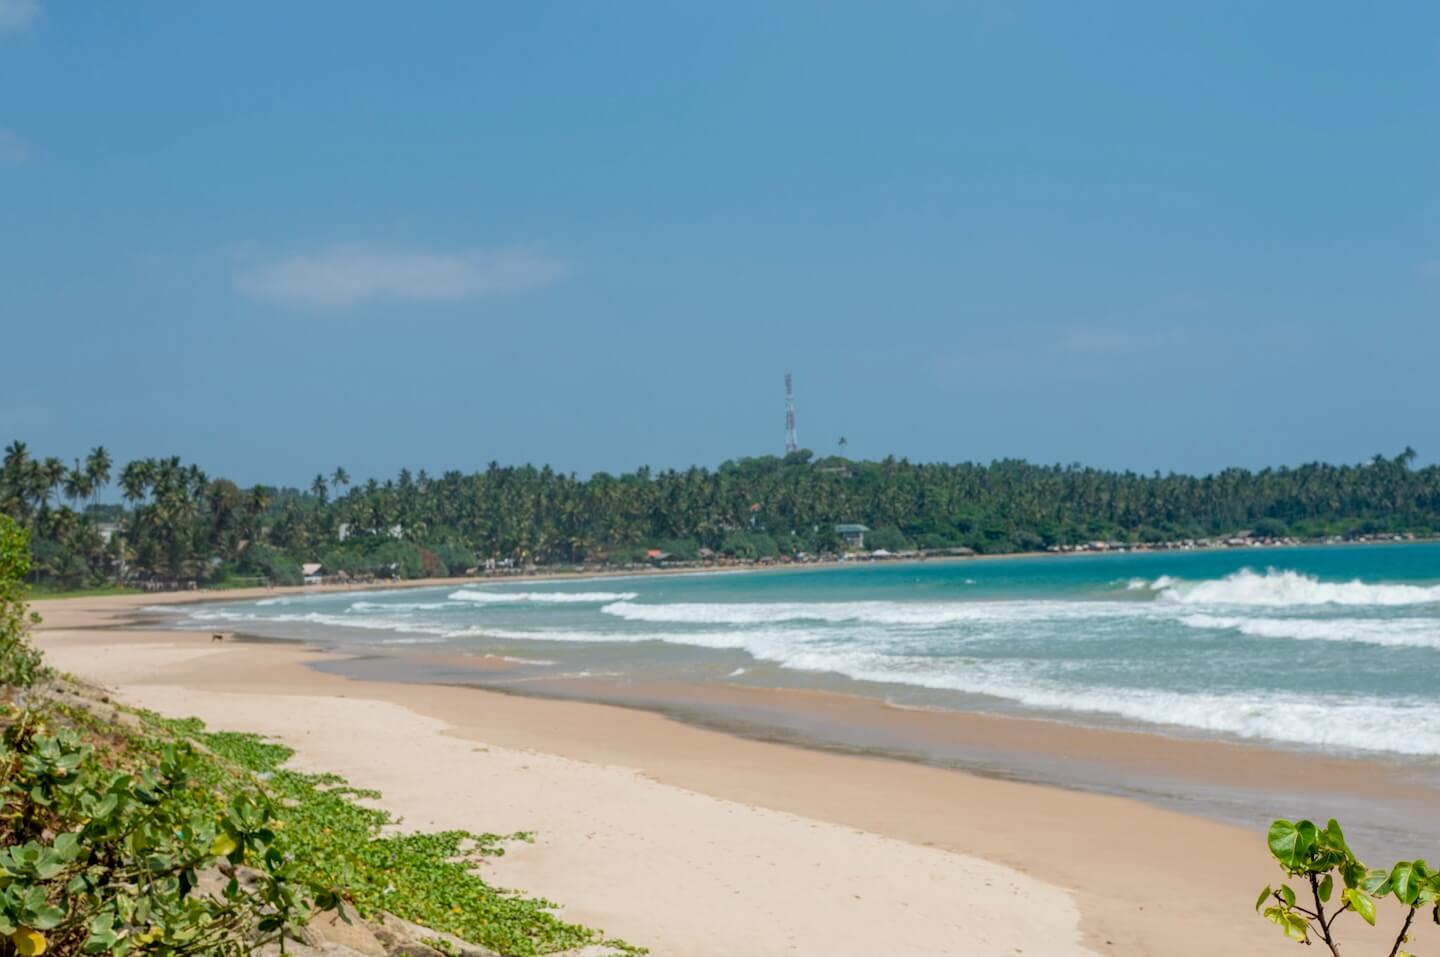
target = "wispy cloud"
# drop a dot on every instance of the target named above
(352, 274)
(12, 148)
(18, 14)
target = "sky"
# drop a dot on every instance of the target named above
(276, 238)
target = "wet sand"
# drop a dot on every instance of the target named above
(693, 840)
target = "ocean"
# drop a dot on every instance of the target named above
(1320, 648)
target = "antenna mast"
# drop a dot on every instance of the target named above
(792, 444)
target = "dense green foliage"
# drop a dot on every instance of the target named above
(179, 524)
(158, 837)
(19, 660)
(132, 849)
(426, 878)
(95, 859)
(1318, 856)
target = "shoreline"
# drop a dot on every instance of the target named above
(1096, 850)
(203, 595)
(1239, 783)
(1245, 782)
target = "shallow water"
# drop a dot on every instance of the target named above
(1333, 648)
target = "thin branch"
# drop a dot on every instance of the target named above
(1279, 899)
(1343, 908)
(1400, 938)
(1320, 917)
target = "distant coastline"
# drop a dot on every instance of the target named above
(732, 566)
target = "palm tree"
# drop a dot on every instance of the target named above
(339, 477)
(51, 475)
(76, 484)
(16, 456)
(257, 503)
(135, 479)
(97, 471)
(319, 490)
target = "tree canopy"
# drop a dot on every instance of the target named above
(179, 523)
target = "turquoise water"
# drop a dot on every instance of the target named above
(1334, 648)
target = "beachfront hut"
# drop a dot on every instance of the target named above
(852, 535)
(312, 572)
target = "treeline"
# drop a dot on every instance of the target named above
(175, 523)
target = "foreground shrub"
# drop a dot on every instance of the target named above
(1318, 856)
(20, 662)
(99, 860)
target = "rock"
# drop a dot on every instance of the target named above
(329, 928)
(404, 939)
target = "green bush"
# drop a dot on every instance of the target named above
(95, 860)
(681, 549)
(270, 562)
(20, 662)
(890, 539)
(1270, 528)
(456, 559)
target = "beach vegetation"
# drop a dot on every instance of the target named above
(1333, 882)
(177, 524)
(750, 545)
(20, 660)
(891, 539)
(125, 833)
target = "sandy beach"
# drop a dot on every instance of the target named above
(696, 842)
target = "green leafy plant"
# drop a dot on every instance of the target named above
(96, 859)
(20, 661)
(155, 836)
(1317, 857)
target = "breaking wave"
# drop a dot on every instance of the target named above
(1199, 653)
(1355, 723)
(364, 606)
(319, 618)
(915, 614)
(541, 597)
(1280, 589)
(1390, 632)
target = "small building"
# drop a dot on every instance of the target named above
(312, 572)
(108, 530)
(852, 535)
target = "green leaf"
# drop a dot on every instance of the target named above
(1404, 883)
(1293, 844)
(1282, 839)
(1335, 837)
(1297, 928)
(1376, 882)
(1327, 886)
(1288, 895)
(1264, 896)
(1362, 904)
(67, 845)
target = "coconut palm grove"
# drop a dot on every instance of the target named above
(162, 520)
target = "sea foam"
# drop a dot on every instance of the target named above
(1389, 632)
(915, 614)
(1277, 588)
(541, 597)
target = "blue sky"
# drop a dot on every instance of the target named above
(274, 238)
